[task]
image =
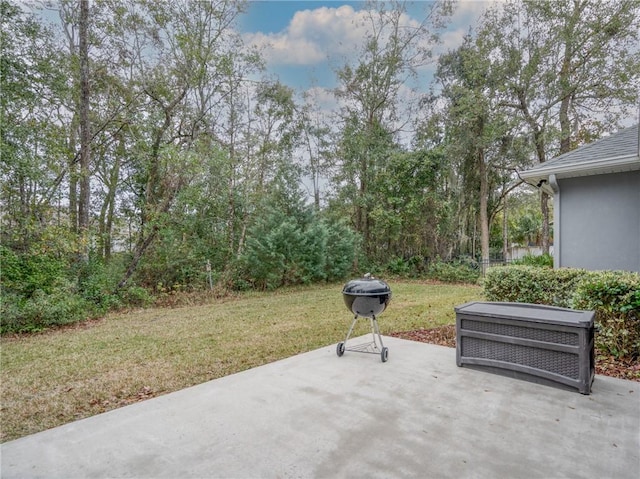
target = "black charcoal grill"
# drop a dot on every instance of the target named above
(366, 297)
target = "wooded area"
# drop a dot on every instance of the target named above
(142, 140)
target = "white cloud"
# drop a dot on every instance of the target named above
(282, 49)
(322, 98)
(327, 37)
(466, 15)
(314, 36)
(309, 39)
(465, 20)
(452, 39)
(469, 11)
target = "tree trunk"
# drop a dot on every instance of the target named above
(85, 134)
(73, 179)
(544, 197)
(362, 218)
(159, 195)
(505, 231)
(565, 124)
(145, 241)
(484, 217)
(231, 182)
(564, 76)
(538, 139)
(544, 207)
(141, 247)
(108, 206)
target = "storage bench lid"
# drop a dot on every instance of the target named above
(537, 313)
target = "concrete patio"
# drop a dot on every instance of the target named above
(316, 415)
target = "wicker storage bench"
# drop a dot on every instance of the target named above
(544, 344)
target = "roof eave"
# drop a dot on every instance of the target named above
(537, 176)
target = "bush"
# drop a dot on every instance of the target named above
(530, 284)
(136, 296)
(61, 305)
(97, 283)
(283, 250)
(36, 291)
(25, 273)
(614, 296)
(9, 312)
(40, 290)
(398, 267)
(342, 243)
(459, 271)
(170, 264)
(543, 260)
(408, 267)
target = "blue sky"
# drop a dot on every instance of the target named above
(273, 16)
(305, 41)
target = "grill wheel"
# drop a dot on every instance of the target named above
(384, 354)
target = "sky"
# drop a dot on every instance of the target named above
(304, 42)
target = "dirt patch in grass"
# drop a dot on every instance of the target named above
(446, 336)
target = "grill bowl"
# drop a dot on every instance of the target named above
(366, 297)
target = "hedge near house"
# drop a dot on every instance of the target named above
(613, 295)
(531, 284)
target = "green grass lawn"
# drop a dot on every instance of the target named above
(55, 377)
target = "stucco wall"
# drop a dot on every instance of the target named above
(599, 219)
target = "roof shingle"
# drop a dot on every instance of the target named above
(622, 143)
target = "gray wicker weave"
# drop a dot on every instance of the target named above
(543, 344)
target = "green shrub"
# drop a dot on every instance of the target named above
(614, 296)
(531, 284)
(172, 263)
(411, 267)
(97, 283)
(37, 292)
(40, 290)
(397, 266)
(60, 305)
(460, 271)
(543, 260)
(10, 318)
(284, 250)
(342, 243)
(27, 272)
(136, 296)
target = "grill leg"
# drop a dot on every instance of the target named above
(353, 323)
(375, 331)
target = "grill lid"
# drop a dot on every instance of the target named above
(366, 286)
